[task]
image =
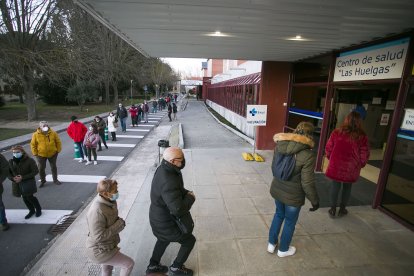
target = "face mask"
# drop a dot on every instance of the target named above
(120, 105)
(114, 197)
(182, 164)
(111, 114)
(96, 120)
(90, 128)
(17, 155)
(45, 128)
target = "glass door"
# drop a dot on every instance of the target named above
(398, 196)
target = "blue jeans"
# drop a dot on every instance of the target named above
(81, 149)
(3, 218)
(290, 215)
(123, 123)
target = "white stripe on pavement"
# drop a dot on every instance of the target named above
(110, 158)
(120, 145)
(76, 178)
(129, 136)
(134, 129)
(143, 125)
(47, 217)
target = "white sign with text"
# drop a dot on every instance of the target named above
(408, 121)
(382, 61)
(256, 115)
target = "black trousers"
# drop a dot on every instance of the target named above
(169, 115)
(102, 135)
(346, 193)
(113, 134)
(41, 163)
(32, 203)
(187, 243)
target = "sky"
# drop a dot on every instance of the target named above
(186, 66)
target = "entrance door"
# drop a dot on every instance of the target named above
(376, 105)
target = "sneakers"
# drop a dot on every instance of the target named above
(271, 248)
(290, 252)
(5, 226)
(182, 271)
(95, 162)
(88, 163)
(81, 160)
(159, 268)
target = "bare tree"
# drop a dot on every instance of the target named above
(24, 50)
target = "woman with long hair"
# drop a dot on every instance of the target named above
(348, 151)
(90, 143)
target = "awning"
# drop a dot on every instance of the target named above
(249, 79)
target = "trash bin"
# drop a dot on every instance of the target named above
(162, 145)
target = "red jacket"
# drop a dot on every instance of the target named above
(346, 156)
(133, 111)
(76, 130)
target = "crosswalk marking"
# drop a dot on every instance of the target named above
(134, 129)
(76, 178)
(113, 145)
(110, 158)
(144, 125)
(47, 217)
(129, 136)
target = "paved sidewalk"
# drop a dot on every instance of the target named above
(233, 212)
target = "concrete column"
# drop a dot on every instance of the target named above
(274, 92)
(206, 84)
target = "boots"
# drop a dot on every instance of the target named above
(342, 211)
(332, 212)
(37, 207)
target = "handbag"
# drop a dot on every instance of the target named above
(185, 223)
(115, 124)
(28, 186)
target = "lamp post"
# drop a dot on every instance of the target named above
(131, 92)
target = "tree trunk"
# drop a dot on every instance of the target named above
(21, 97)
(115, 86)
(106, 91)
(30, 97)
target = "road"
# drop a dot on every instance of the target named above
(25, 239)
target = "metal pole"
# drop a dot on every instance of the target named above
(131, 92)
(254, 144)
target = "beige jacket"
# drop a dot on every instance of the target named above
(104, 227)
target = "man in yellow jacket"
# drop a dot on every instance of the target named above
(46, 145)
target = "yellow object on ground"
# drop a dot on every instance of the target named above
(258, 158)
(247, 156)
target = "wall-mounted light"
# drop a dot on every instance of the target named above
(218, 34)
(297, 38)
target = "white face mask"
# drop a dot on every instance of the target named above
(45, 128)
(91, 128)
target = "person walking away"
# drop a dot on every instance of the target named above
(100, 125)
(104, 226)
(145, 110)
(112, 125)
(169, 201)
(174, 109)
(154, 106)
(4, 172)
(122, 114)
(169, 111)
(45, 146)
(22, 172)
(289, 194)
(175, 97)
(133, 111)
(76, 130)
(91, 143)
(347, 150)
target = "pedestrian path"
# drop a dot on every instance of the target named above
(232, 213)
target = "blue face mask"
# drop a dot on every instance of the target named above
(114, 197)
(17, 155)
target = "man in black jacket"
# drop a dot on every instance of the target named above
(170, 202)
(122, 114)
(4, 170)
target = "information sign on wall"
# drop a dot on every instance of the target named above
(408, 121)
(382, 61)
(256, 115)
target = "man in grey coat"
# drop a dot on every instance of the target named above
(170, 201)
(4, 171)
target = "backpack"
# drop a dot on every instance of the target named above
(283, 165)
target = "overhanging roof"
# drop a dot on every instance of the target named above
(257, 29)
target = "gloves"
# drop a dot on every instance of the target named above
(314, 207)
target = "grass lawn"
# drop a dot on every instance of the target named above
(7, 133)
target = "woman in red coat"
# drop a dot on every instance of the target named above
(348, 151)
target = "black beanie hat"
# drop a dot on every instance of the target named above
(73, 118)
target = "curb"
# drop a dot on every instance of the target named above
(180, 136)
